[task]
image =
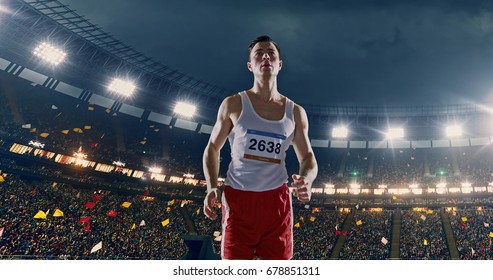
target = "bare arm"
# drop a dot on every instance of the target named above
(210, 160)
(308, 163)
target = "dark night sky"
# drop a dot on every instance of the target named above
(334, 52)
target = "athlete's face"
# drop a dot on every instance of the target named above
(264, 60)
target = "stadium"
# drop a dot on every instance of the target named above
(94, 167)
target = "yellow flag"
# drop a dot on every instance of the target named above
(54, 184)
(107, 110)
(126, 204)
(430, 211)
(359, 223)
(464, 219)
(168, 209)
(90, 108)
(491, 234)
(86, 127)
(198, 211)
(133, 226)
(297, 225)
(40, 215)
(77, 129)
(171, 202)
(394, 197)
(425, 242)
(2, 179)
(58, 213)
(312, 219)
(33, 129)
(165, 222)
(65, 131)
(302, 219)
(44, 134)
(142, 142)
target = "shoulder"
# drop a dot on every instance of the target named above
(299, 112)
(232, 103)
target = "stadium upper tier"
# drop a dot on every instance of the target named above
(93, 57)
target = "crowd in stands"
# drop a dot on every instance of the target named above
(472, 230)
(364, 238)
(422, 236)
(123, 236)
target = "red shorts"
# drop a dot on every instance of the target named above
(257, 224)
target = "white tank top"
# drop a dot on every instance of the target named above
(258, 149)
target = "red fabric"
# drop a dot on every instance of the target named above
(84, 219)
(112, 213)
(96, 198)
(344, 233)
(338, 232)
(88, 227)
(90, 205)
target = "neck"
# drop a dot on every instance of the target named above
(266, 89)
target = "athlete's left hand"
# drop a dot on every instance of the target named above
(302, 188)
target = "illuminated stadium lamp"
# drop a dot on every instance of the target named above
(453, 131)
(188, 176)
(342, 190)
(381, 186)
(413, 186)
(36, 144)
(339, 132)
(354, 186)
(155, 169)
(395, 133)
(441, 188)
(80, 155)
(185, 109)
(454, 190)
(122, 87)
(119, 163)
(417, 191)
(49, 53)
(329, 189)
(480, 189)
(466, 187)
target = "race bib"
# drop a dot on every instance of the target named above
(264, 146)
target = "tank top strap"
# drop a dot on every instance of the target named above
(246, 104)
(289, 109)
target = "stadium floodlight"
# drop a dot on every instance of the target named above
(453, 131)
(119, 163)
(36, 144)
(466, 187)
(329, 189)
(339, 132)
(155, 169)
(79, 155)
(395, 133)
(122, 87)
(185, 109)
(188, 176)
(49, 53)
(354, 186)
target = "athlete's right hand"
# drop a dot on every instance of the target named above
(213, 197)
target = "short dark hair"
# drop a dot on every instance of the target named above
(263, 38)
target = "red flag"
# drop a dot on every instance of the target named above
(90, 205)
(338, 232)
(84, 219)
(88, 227)
(462, 224)
(146, 193)
(344, 233)
(112, 213)
(482, 247)
(96, 198)
(33, 191)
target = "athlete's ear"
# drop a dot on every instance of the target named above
(280, 64)
(249, 66)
